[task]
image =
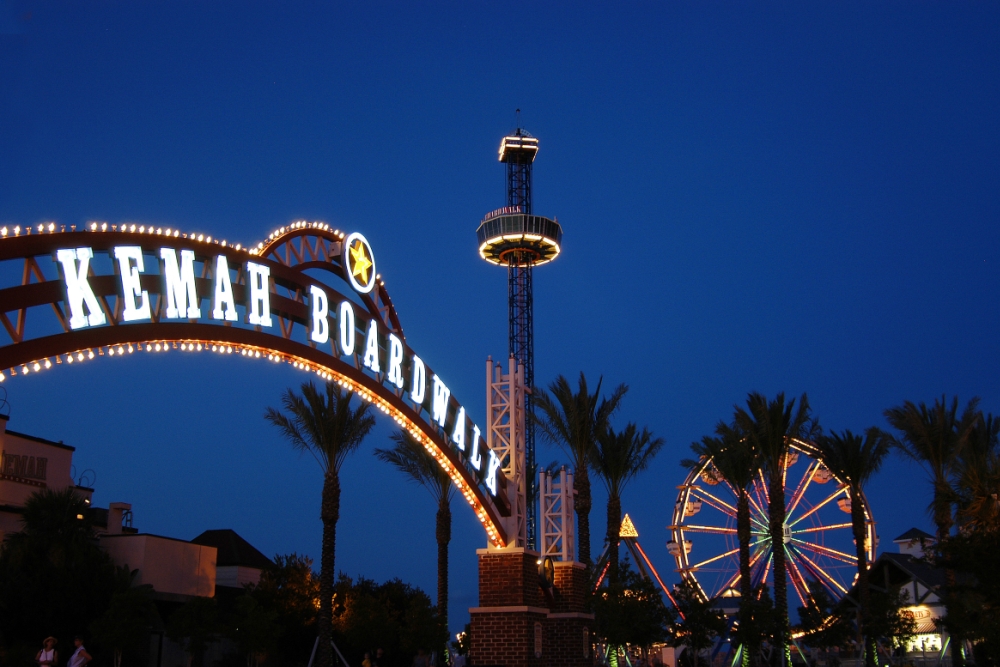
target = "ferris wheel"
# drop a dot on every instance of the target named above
(818, 539)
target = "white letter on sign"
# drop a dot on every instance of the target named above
(347, 330)
(419, 386)
(395, 361)
(320, 309)
(224, 305)
(440, 404)
(476, 459)
(458, 433)
(136, 298)
(259, 302)
(491, 473)
(78, 290)
(178, 284)
(371, 348)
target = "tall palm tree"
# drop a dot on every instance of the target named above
(617, 459)
(572, 421)
(769, 426)
(855, 460)
(735, 459)
(411, 458)
(934, 438)
(324, 424)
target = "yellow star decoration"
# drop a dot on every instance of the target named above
(360, 262)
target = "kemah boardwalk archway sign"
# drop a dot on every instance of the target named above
(68, 297)
(309, 296)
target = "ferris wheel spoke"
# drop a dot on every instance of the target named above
(765, 570)
(816, 508)
(821, 575)
(798, 581)
(736, 577)
(713, 501)
(712, 560)
(819, 529)
(826, 551)
(709, 529)
(763, 488)
(759, 508)
(804, 483)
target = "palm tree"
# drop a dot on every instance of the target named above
(411, 458)
(978, 477)
(855, 460)
(325, 425)
(934, 438)
(769, 426)
(572, 421)
(735, 459)
(617, 459)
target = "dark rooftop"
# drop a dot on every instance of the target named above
(233, 549)
(914, 534)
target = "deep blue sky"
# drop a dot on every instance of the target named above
(754, 197)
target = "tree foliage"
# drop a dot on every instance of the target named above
(394, 616)
(254, 628)
(290, 590)
(54, 580)
(124, 628)
(195, 625)
(698, 623)
(630, 611)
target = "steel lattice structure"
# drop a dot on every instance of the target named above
(818, 539)
(37, 300)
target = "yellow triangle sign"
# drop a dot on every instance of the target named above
(628, 528)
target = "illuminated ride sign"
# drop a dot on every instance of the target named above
(124, 289)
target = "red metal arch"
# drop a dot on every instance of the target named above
(35, 318)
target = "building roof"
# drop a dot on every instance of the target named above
(914, 534)
(233, 549)
(890, 570)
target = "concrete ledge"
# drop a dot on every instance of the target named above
(508, 610)
(493, 551)
(577, 565)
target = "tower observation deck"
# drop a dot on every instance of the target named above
(515, 238)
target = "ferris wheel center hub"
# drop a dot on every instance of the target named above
(786, 533)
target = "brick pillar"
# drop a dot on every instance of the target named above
(570, 627)
(517, 625)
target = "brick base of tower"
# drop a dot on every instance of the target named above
(517, 625)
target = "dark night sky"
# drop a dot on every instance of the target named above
(755, 197)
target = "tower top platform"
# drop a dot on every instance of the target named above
(519, 148)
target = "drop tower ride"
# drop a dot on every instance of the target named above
(515, 238)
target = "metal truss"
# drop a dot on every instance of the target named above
(505, 431)
(557, 537)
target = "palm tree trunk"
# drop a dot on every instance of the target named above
(864, 595)
(443, 533)
(776, 526)
(582, 503)
(614, 524)
(743, 534)
(944, 521)
(329, 514)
